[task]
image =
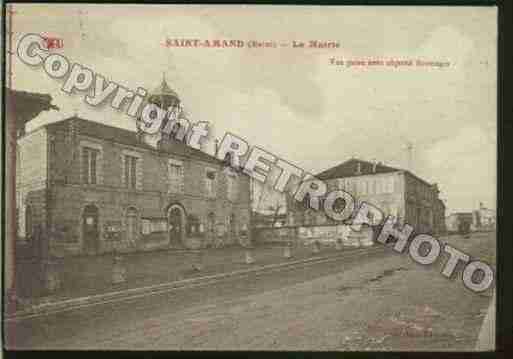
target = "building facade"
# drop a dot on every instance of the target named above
(93, 188)
(396, 192)
(460, 222)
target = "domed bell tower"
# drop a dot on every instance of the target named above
(163, 96)
(168, 100)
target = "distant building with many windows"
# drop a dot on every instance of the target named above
(395, 191)
(93, 188)
(482, 219)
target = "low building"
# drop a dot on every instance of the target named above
(484, 218)
(396, 192)
(93, 188)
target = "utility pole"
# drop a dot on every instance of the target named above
(409, 148)
(10, 12)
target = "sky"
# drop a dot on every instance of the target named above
(293, 102)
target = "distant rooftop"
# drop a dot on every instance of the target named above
(349, 168)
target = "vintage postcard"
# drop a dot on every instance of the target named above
(243, 177)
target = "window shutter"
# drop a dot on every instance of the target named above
(93, 166)
(99, 167)
(85, 165)
(169, 177)
(123, 171)
(127, 171)
(181, 179)
(139, 173)
(133, 174)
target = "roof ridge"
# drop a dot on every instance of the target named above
(137, 143)
(346, 170)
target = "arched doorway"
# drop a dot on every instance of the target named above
(90, 229)
(132, 232)
(176, 224)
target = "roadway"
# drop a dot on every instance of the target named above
(377, 301)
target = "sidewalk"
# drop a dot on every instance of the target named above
(91, 275)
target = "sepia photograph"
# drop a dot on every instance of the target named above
(250, 177)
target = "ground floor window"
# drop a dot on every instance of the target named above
(193, 226)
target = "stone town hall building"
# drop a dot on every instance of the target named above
(94, 188)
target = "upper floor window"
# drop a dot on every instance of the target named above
(363, 187)
(389, 185)
(380, 186)
(175, 176)
(130, 171)
(371, 187)
(210, 183)
(90, 165)
(91, 162)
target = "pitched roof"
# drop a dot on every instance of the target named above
(127, 137)
(349, 168)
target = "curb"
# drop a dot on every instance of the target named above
(133, 293)
(486, 337)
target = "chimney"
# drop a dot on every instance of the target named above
(216, 146)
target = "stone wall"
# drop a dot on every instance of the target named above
(31, 181)
(423, 211)
(327, 234)
(69, 202)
